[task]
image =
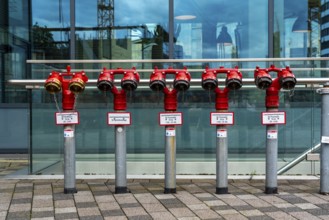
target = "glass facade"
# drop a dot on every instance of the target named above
(141, 30)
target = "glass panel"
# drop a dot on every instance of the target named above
(138, 30)
(196, 138)
(50, 29)
(297, 28)
(220, 29)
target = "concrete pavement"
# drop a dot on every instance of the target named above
(195, 199)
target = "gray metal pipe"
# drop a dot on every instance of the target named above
(297, 160)
(221, 160)
(120, 160)
(324, 155)
(271, 182)
(196, 82)
(69, 159)
(170, 159)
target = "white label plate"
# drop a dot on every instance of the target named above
(325, 139)
(221, 118)
(67, 118)
(174, 118)
(272, 134)
(170, 132)
(68, 133)
(118, 118)
(221, 133)
(273, 118)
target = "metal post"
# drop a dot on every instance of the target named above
(271, 182)
(69, 159)
(221, 160)
(120, 160)
(170, 160)
(324, 162)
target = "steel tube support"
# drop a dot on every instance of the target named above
(120, 160)
(221, 160)
(170, 160)
(271, 180)
(69, 159)
(324, 155)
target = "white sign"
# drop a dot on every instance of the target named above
(272, 134)
(68, 133)
(221, 118)
(67, 118)
(221, 133)
(174, 118)
(325, 139)
(118, 118)
(170, 132)
(273, 118)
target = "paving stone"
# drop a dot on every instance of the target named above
(104, 198)
(65, 210)
(18, 215)
(125, 198)
(227, 211)
(181, 212)
(162, 215)
(304, 215)
(214, 203)
(198, 207)
(130, 205)
(154, 207)
(93, 217)
(93, 211)
(164, 196)
(251, 213)
(42, 214)
(280, 215)
(318, 212)
(237, 216)
(234, 202)
(115, 218)
(61, 216)
(20, 207)
(172, 203)
(206, 214)
(24, 195)
(145, 198)
(114, 212)
(86, 204)
(44, 209)
(187, 198)
(314, 199)
(21, 201)
(306, 206)
(64, 203)
(257, 203)
(134, 211)
(108, 206)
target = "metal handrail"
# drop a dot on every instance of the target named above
(182, 60)
(145, 82)
(298, 159)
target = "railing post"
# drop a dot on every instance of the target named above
(324, 155)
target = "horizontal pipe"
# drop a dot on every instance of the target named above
(34, 83)
(183, 60)
(297, 160)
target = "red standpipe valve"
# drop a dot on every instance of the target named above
(233, 82)
(285, 79)
(129, 82)
(181, 83)
(56, 83)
